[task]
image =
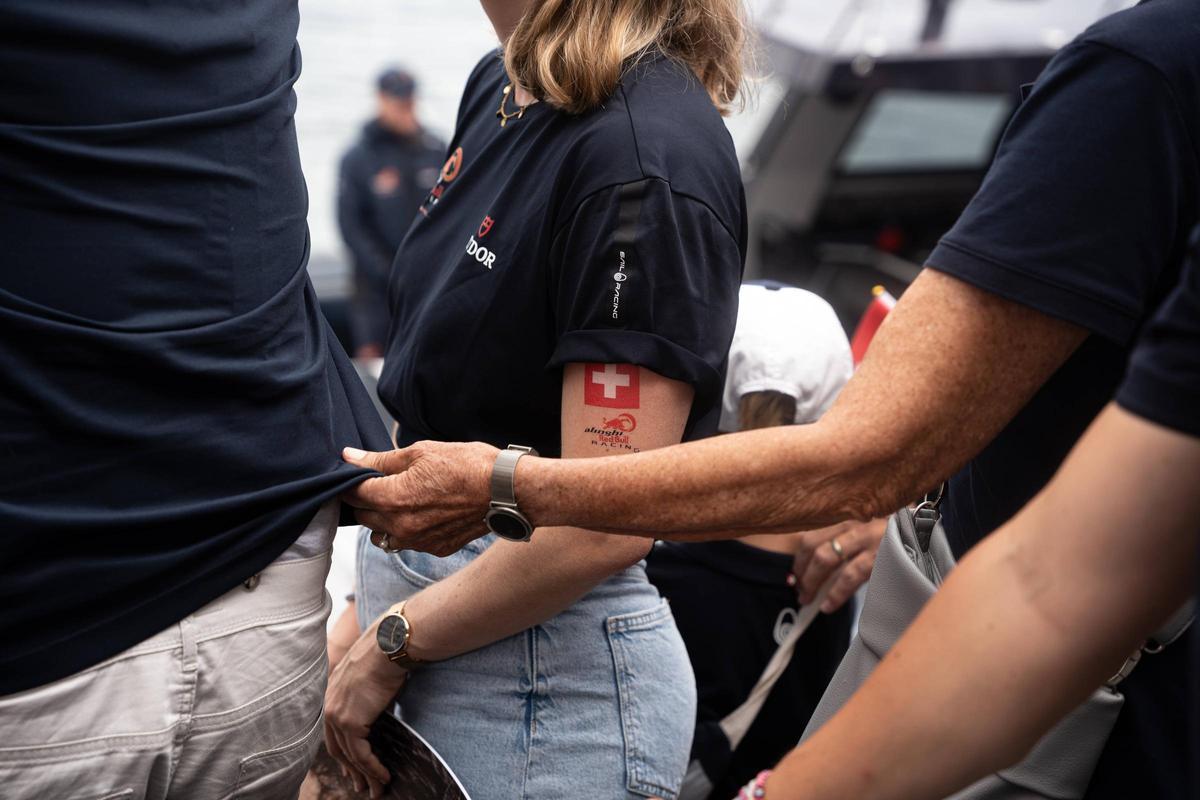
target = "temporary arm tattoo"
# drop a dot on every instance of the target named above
(614, 433)
(611, 385)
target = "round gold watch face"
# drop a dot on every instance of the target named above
(392, 634)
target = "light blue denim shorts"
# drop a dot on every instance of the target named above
(598, 702)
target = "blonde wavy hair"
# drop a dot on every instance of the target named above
(572, 53)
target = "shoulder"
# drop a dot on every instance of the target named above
(486, 68)
(1159, 31)
(1163, 35)
(659, 124)
(1132, 76)
(675, 122)
(481, 85)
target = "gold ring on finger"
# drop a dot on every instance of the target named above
(837, 549)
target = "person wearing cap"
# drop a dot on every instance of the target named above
(383, 179)
(788, 361)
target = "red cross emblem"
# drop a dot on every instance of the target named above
(611, 385)
(485, 226)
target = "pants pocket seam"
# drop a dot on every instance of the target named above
(618, 626)
(246, 623)
(265, 702)
(303, 740)
(73, 750)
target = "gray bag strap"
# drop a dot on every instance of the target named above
(738, 722)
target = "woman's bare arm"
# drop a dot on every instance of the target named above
(948, 369)
(1026, 627)
(515, 585)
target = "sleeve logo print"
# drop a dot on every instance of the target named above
(611, 385)
(452, 166)
(449, 172)
(619, 277)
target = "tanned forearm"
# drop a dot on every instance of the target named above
(1044, 611)
(949, 368)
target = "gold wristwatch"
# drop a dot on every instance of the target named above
(393, 636)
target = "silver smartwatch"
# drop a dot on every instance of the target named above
(503, 517)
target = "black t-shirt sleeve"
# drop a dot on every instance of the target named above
(1081, 208)
(644, 275)
(1163, 381)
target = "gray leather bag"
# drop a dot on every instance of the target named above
(913, 560)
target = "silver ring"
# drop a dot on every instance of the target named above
(383, 541)
(837, 549)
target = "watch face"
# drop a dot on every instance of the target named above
(508, 525)
(393, 633)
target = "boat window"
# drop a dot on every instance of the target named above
(915, 131)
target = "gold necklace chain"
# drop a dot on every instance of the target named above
(505, 116)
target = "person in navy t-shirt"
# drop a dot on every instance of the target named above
(990, 367)
(1050, 606)
(570, 285)
(172, 405)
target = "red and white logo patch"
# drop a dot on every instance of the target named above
(611, 385)
(485, 226)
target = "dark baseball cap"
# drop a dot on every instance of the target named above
(397, 83)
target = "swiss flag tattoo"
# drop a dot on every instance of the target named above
(611, 385)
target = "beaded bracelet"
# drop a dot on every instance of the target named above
(755, 789)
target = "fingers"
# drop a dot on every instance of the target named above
(807, 545)
(410, 533)
(334, 746)
(378, 521)
(367, 764)
(851, 539)
(389, 462)
(821, 564)
(371, 493)
(853, 575)
(362, 768)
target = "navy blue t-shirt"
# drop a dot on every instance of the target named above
(1163, 386)
(1085, 216)
(1163, 381)
(616, 236)
(172, 403)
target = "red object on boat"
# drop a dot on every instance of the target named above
(881, 303)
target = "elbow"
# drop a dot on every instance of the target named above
(894, 478)
(630, 551)
(611, 553)
(872, 495)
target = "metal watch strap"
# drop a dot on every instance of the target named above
(504, 490)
